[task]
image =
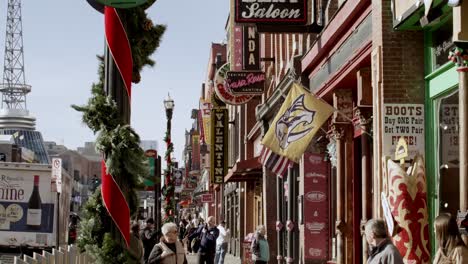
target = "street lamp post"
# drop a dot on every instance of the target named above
(168, 181)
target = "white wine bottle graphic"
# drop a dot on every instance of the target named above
(34, 207)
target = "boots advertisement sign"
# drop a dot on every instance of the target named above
(403, 120)
(315, 211)
(271, 11)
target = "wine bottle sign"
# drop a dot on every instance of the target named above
(28, 206)
(34, 214)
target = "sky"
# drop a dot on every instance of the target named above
(61, 40)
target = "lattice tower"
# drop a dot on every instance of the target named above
(14, 88)
(13, 112)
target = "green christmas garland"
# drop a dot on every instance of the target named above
(118, 143)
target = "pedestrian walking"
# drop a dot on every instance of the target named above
(189, 229)
(452, 249)
(259, 246)
(169, 250)
(136, 246)
(149, 237)
(222, 243)
(207, 234)
(182, 229)
(382, 250)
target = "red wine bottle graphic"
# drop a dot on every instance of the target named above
(34, 207)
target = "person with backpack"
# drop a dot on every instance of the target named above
(259, 247)
(149, 237)
(207, 234)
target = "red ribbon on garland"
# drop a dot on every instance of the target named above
(119, 47)
(115, 203)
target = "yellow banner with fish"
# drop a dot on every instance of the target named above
(297, 121)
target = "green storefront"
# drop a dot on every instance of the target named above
(441, 103)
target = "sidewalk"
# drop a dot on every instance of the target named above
(229, 259)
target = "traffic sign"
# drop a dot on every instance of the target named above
(56, 179)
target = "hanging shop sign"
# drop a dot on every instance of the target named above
(205, 110)
(178, 180)
(315, 207)
(207, 198)
(403, 120)
(246, 82)
(224, 93)
(270, 11)
(251, 48)
(195, 151)
(219, 146)
(237, 47)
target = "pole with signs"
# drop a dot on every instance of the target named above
(56, 182)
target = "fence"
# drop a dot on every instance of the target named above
(70, 255)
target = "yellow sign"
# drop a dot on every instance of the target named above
(401, 151)
(205, 108)
(299, 118)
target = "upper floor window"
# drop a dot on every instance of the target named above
(442, 44)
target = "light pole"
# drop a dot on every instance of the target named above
(168, 181)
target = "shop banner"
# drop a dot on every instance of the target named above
(195, 151)
(315, 210)
(403, 120)
(178, 180)
(236, 44)
(205, 109)
(207, 198)
(191, 180)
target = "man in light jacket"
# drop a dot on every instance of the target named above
(222, 243)
(382, 250)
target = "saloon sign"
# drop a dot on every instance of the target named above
(218, 153)
(271, 11)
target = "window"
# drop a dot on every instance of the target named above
(442, 44)
(448, 154)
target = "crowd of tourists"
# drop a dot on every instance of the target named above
(209, 242)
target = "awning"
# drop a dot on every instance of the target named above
(245, 170)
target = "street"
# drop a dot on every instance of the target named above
(230, 259)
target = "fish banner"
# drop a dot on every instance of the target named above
(297, 121)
